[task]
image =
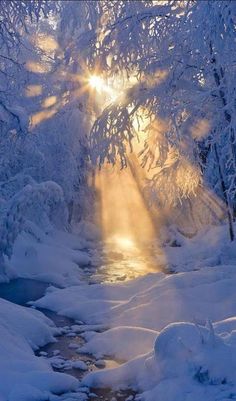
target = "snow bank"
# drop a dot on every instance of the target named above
(210, 247)
(52, 258)
(28, 323)
(23, 375)
(123, 343)
(151, 302)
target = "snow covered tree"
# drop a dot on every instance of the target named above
(177, 63)
(43, 152)
(169, 97)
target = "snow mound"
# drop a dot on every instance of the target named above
(48, 258)
(195, 350)
(123, 343)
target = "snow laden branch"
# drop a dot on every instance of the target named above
(15, 16)
(191, 44)
(110, 135)
(175, 172)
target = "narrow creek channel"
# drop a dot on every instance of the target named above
(63, 354)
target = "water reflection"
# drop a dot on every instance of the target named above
(128, 230)
(121, 262)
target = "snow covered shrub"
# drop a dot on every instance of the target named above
(15, 184)
(194, 352)
(41, 203)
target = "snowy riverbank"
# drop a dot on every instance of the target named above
(25, 377)
(176, 329)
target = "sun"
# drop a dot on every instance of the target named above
(100, 85)
(125, 242)
(97, 83)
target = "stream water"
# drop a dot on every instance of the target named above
(63, 354)
(121, 259)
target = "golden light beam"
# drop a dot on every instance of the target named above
(126, 223)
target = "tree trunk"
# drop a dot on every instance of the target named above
(224, 191)
(218, 76)
(70, 209)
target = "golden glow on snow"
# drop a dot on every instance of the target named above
(49, 101)
(37, 67)
(33, 90)
(46, 43)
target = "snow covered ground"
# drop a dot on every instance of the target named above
(174, 333)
